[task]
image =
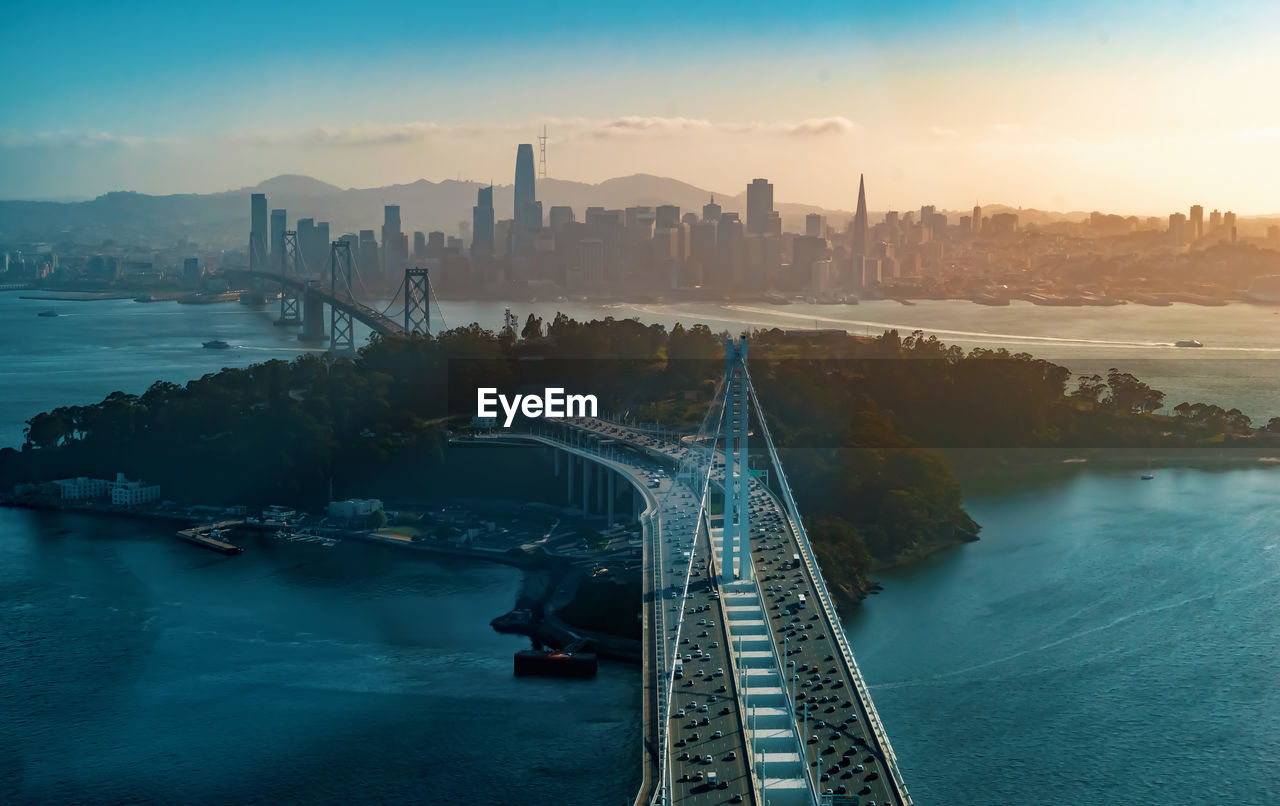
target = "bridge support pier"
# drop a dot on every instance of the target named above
(556, 451)
(613, 494)
(568, 459)
(586, 487)
(312, 318)
(601, 472)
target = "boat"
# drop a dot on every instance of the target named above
(572, 661)
(216, 344)
(1188, 343)
(50, 312)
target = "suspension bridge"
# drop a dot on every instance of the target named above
(752, 693)
(305, 294)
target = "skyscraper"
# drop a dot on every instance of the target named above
(814, 226)
(759, 206)
(1197, 221)
(976, 220)
(394, 258)
(711, 211)
(482, 224)
(258, 232)
(278, 225)
(860, 224)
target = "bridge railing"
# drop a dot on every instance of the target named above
(837, 627)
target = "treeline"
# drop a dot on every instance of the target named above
(855, 420)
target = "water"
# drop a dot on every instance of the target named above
(1109, 640)
(138, 668)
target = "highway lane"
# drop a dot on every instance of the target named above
(844, 755)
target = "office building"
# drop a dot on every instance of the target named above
(759, 206)
(666, 216)
(419, 245)
(1197, 221)
(395, 244)
(711, 211)
(1178, 228)
(976, 219)
(258, 259)
(559, 217)
(815, 226)
(279, 224)
(191, 272)
(482, 224)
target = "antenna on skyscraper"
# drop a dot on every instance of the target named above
(542, 153)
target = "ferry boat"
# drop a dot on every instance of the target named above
(1187, 343)
(216, 344)
(50, 312)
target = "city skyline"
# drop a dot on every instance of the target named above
(1086, 108)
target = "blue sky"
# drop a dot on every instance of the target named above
(939, 100)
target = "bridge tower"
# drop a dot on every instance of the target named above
(735, 545)
(290, 315)
(417, 301)
(341, 333)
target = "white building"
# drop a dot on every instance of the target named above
(81, 488)
(127, 493)
(354, 508)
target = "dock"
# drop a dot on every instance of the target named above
(209, 536)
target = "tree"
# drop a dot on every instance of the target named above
(532, 328)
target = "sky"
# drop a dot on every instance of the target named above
(1139, 107)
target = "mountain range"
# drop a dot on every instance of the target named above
(221, 220)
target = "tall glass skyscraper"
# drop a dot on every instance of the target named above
(258, 232)
(482, 223)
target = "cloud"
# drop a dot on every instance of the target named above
(354, 136)
(371, 135)
(89, 141)
(658, 126)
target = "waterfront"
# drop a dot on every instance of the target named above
(95, 348)
(1109, 640)
(136, 668)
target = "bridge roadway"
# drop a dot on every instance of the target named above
(847, 751)
(680, 594)
(375, 320)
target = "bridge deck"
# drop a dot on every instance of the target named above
(844, 754)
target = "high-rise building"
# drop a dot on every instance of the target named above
(366, 256)
(560, 216)
(1215, 221)
(435, 244)
(394, 259)
(976, 220)
(759, 206)
(1178, 228)
(307, 259)
(258, 232)
(419, 245)
(815, 226)
(482, 224)
(191, 272)
(860, 224)
(527, 211)
(278, 225)
(1197, 221)
(666, 216)
(1229, 225)
(711, 211)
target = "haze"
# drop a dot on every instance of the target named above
(1095, 106)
